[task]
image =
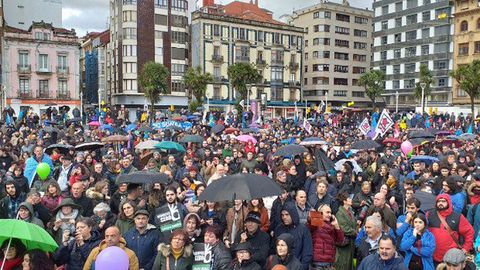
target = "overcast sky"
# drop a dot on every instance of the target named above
(92, 15)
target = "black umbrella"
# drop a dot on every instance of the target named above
(192, 139)
(142, 177)
(172, 127)
(62, 148)
(427, 200)
(90, 146)
(245, 186)
(420, 141)
(420, 134)
(50, 129)
(323, 162)
(218, 128)
(365, 144)
(290, 150)
(145, 129)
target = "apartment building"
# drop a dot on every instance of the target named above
(40, 67)
(244, 32)
(466, 43)
(337, 51)
(407, 34)
(142, 31)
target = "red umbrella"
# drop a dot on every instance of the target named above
(231, 130)
(391, 140)
(94, 124)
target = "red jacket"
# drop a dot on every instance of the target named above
(324, 239)
(458, 224)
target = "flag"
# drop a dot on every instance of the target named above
(374, 120)
(470, 129)
(365, 126)
(396, 130)
(8, 120)
(307, 126)
(427, 122)
(211, 122)
(385, 122)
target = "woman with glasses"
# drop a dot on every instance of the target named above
(177, 255)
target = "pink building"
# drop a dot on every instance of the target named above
(40, 67)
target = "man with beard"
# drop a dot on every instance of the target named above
(11, 202)
(386, 257)
(450, 229)
(178, 212)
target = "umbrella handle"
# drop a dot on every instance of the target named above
(5, 255)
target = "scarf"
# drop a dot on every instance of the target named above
(13, 263)
(177, 253)
(67, 225)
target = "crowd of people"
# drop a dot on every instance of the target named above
(340, 208)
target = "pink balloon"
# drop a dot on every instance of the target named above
(112, 258)
(406, 147)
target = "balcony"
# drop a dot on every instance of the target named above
(218, 79)
(217, 59)
(217, 97)
(62, 72)
(64, 96)
(242, 59)
(24, 69)
(261, 62)
(44, 70)
(277, 62)
(293, 66)
(42, 94)
(293, 83)
(25, 94)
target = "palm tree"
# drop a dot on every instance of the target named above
(197, 83)
(425, 79)
(153, 79)
(241, 75)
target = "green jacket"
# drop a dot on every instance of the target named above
(124, 225)
(344, 254)
(185, 261)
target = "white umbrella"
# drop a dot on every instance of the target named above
(356, 168)
(148, 144)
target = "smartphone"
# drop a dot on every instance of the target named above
(332, 218)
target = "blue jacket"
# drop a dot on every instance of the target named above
(302, 247)
(404, 227)
(458, 201)
(31, 167)
(374, 262)
(426, 250)
(73, 256)
(144, 245)
(474, 218)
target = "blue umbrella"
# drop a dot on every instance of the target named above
(425, 159)
(131, 127)
(107, 127)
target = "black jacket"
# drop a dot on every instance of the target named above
(74, 256)
(86, 204)
(260, 242)
(248, 265)
(221, 257)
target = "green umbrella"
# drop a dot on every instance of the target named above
(170, 146)
(32, 235)
(192, 139)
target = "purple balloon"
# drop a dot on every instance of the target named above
(112, 258)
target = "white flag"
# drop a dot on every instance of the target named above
(307, 126)
(384, 123)
(365, 126)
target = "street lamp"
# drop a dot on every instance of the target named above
(423, 85)
(396, 101)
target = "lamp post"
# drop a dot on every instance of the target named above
(423, 85)
(396, 101)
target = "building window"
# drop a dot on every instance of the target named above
(242, 53)
(43, 62)
(178, 86)
(397, 38)
(461, 93)
(398, 22)
(62, 62)
(62, 88)
(342, 30)
(129, 16)
(396, 69)
(277, 74)
(411, 35)
(342, 43)
(412, 3)
(180, 5)
(23, 59)
(426, 16)
(358, 94)
(340, 81)
(426, 33)
(129, 50)
(342, 17)
(396, 84)
(411, 19)
(361, 20)
(277, 56)
(440, 64)
(321, 67)
(341, 56)
(43, 88)
(464, 26)
(476, 47)
(478, 24)
(425, 49)
(410, 51)
(340, 69)
(397, 53)
(24, 86)
(463, 49)
(130, 33)
(384, 40)
(398, 6)
(384, 25)
(217, 93)
(359, 45)
(410, 68)
(129, 85)
(360, 33)
(130, 67)
(359, 70)
(383, 55)
(410, 83)
(384, 10)
(360, 57)
(442, 82)
(340, 93)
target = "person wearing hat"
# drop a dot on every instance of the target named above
(63, 173)
(243, 259)
(284, 254)
(142, 238)
(455, 259)
(27, 214)
(259, 241)
(63, 220)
